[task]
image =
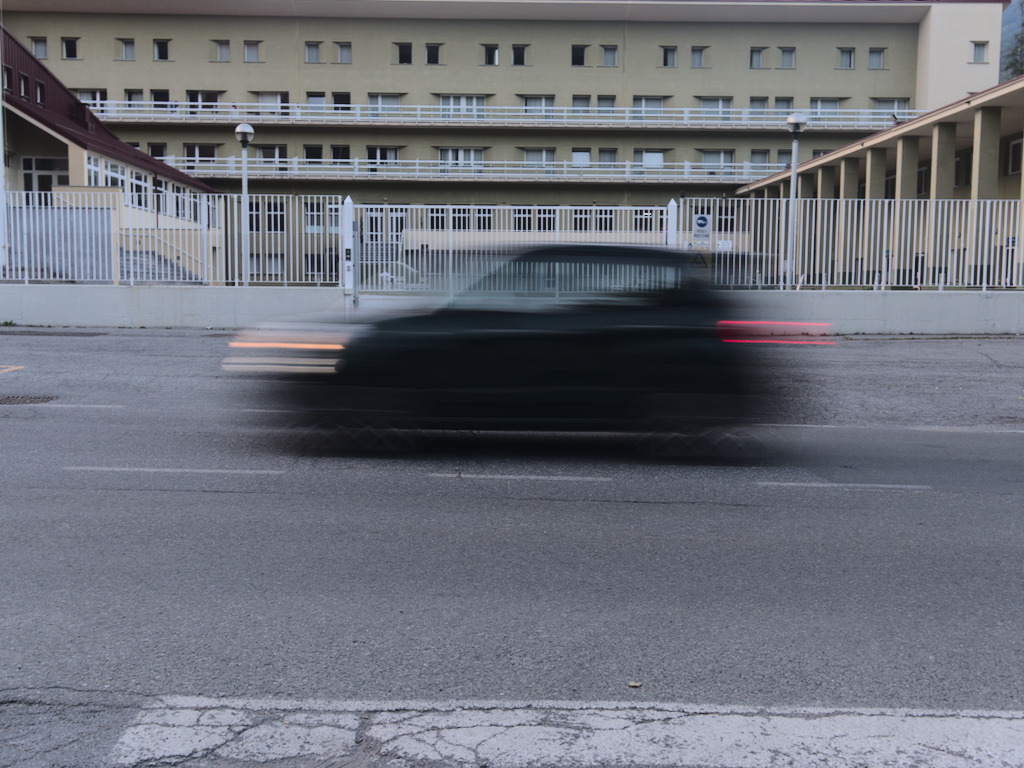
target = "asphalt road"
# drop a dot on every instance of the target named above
(158, 541)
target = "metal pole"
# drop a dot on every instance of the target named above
(245, 212)
(791, 249)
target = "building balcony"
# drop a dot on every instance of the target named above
(484, 171)
(136, 112)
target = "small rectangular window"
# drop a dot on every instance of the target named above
(133, 95)
(784, 104)
(342, 100)
(519, 55)
(758, 59)
(979, 52)
(161, 50)
(760, 156)
(340, 152)
(157, 149)
(609, 55)
(23, 86)
(579, 55)
(313, 52)
(39, 47)
(668, 56)
(221, 50)
(403, 53)
(698, 58)
(787, 58)
(1013, 165)
(846, 58)
(344, 53)
(876, 58)
(127, 49)
(490, 55)
(40, 92)
(433, 51)
(251, 51)
(313, 151)
(69, 47)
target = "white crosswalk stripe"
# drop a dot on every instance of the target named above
(569, 734)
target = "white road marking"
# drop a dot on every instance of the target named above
(570, 478)
(79, 405)
(515, 734)
(851, 486)
(178, 470)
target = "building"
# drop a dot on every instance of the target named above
(489, 101)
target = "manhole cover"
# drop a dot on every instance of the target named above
(25, 399)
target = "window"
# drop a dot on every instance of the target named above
(824, 105)
(715, 106)
(340, 152)
(23, 86)
(605, 103)
(538, 105)
(40, 92)
(403, 53)
(433, 53)
(609, 55)
(758, 106)
(341, 100)
(197, 154)
(160, 96)
(199, 100)
(251, 51)
(39, 47)
(383, 102)
(846, 58)
(344, 53)
(644, 106)
(876, 58)
(382, 154)
(538, 156)
(698, 58)
(157, 149)
(758, 58)
(649, 158)
(317, 99)
(579, 55)
(221, 50)
(895, 107)
(275, 223)
(461, 104)
(133, 95)
(716, 156)
(271, 101)
(979, 52)
(91, 95)
(455, 157)
(69, 47)
(1013, 157)
(272, 152)
(760, 156)
(607, 156)
(161, 50)
(785, 156)
(490, 55)
(787, 58)
(8, 76)
(127, 45)
(784, 104)
(313, 52)
(668, 55)
(519, 55)
(581, 157)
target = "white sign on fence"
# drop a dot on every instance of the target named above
(702, 228)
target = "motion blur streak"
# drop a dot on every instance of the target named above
(771, 332)
(283, 345)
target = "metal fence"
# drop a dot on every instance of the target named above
(113, 237)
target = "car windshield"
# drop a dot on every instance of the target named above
(526, 284)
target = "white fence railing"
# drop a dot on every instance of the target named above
(518, 116)
(490, 171)
(327, 240)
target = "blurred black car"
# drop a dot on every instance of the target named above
(561, 338)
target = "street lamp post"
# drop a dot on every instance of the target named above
(244, 134)
(795, 123)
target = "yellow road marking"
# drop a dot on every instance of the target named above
(9, 368)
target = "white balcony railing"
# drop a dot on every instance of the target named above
(433, 170)
(448, 116)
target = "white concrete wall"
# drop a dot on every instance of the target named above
(944, 70)
(849, 312)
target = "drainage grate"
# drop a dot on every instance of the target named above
(25, 399)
